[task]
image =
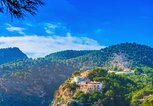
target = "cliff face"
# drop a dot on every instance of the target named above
(79, 83)
(99, 87)
(64, 96)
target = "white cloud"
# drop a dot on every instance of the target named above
(19, 30)
(39, 46)
(54, 28)
(49, 27)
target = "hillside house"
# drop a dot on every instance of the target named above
(125, 72)
(91, 86)
(121, 72)
(110, 71)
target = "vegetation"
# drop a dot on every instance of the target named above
(86, 98)
(10, 55)
(148, 101)
(71, 86)
(67, 54)
(144, 70)
(118, 90)
(136, 99)
(121, 55)
(77, 73)
(39, 76)
(19, 8)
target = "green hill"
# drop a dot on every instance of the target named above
(11, 54)
(67, 54)
(38, 79)
(125, 54)
(117, 90)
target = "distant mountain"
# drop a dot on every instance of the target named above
(67, 54)
(35, 81)
(11, 54)
(124, 55)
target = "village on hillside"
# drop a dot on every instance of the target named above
(125, 71)
(87, 86)
(81, 82)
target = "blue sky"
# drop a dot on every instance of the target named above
(79, 24)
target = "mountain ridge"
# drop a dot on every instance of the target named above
(40, 75)
(11, 54)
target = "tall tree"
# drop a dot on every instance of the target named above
(19, 8)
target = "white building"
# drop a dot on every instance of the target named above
(91, 86)
(125, 72)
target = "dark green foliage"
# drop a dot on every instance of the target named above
(144, 70)
(82, 97)
(148, 101)
(47, 74)
(89, 98)
(68, 54)
(95, 97)
(134, 54)
(99, 72)
(117, 89)
(136, 99)
(77, 73)
(71, 86)
(20, 8)
(138, 54)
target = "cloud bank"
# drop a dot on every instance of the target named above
(56, 37)
(39, 46)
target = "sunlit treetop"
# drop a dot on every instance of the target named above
(20, 8)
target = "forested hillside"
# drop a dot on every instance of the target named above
(67, 54)
(125, 54)
(11, 54)
(37, 79)
(117, 90)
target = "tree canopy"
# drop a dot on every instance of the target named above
(118, 90)
(19, 8)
